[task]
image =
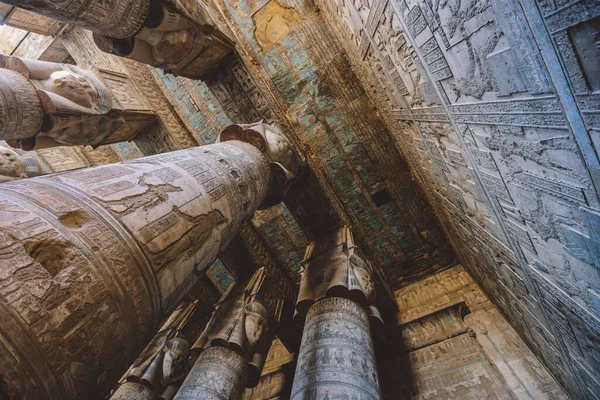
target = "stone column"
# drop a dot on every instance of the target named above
(337, 306)
(234, 346)
(177, 36)
(45, 104)
(91, 260)
(161, 367)
(116, 18)
(219, 374)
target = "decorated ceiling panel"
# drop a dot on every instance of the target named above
(502, 136)
(302, 80)
(490, 107)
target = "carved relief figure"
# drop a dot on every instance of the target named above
(336, 269)
(12, 166)
(162, 365)
(238, 325)
(50, 104)
(242, 322)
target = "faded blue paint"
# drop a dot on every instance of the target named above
(219, 275)
(128, 150)
(197, 121)
(585, 247)
(297, 77)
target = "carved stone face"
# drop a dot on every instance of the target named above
(256, 324)
(73, 87)
(12, 166)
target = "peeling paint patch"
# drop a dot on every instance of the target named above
(273, 23)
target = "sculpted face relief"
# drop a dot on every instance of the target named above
(12, 166)
(54, 105)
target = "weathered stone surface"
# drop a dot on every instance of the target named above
(503, 140)
(277, 377)
(126, 94)
(174, 35)
(334, 267)
(12, 165)
(162, 366)
(219, 374)
(117, 18)
(92, 259)
(244, 321)
(497, 122)
(456, 344)
(305, 81)
(337, 357)
(134, 391)
(49, 104)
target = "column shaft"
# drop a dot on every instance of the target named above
(219, 374)
(336, 358)
(116, 18)
(176, 36)
(91, 260)
(134, 391)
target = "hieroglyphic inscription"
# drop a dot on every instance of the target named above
(219, 374)
(496, 185)
(336, 357)
(115, 246)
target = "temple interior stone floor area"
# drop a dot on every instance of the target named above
(299, 199)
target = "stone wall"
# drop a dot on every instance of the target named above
(496, 121)
(449, 342)
(277, 376)
(493, 104)
(456, 345)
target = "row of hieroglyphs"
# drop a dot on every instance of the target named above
(504, 136)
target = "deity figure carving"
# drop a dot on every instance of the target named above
(242, 322)
(12, 165)
(18, 164)
(46, 104)
(175, 37)
(230, 354)
(335, 267)
(162, 366)
(272, 142)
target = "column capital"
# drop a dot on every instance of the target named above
(245, 321)
(271, 141)
(177, 37)
(117, 18)
(50, 104)
(12, 165)
(335, 267)
(162, 365)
